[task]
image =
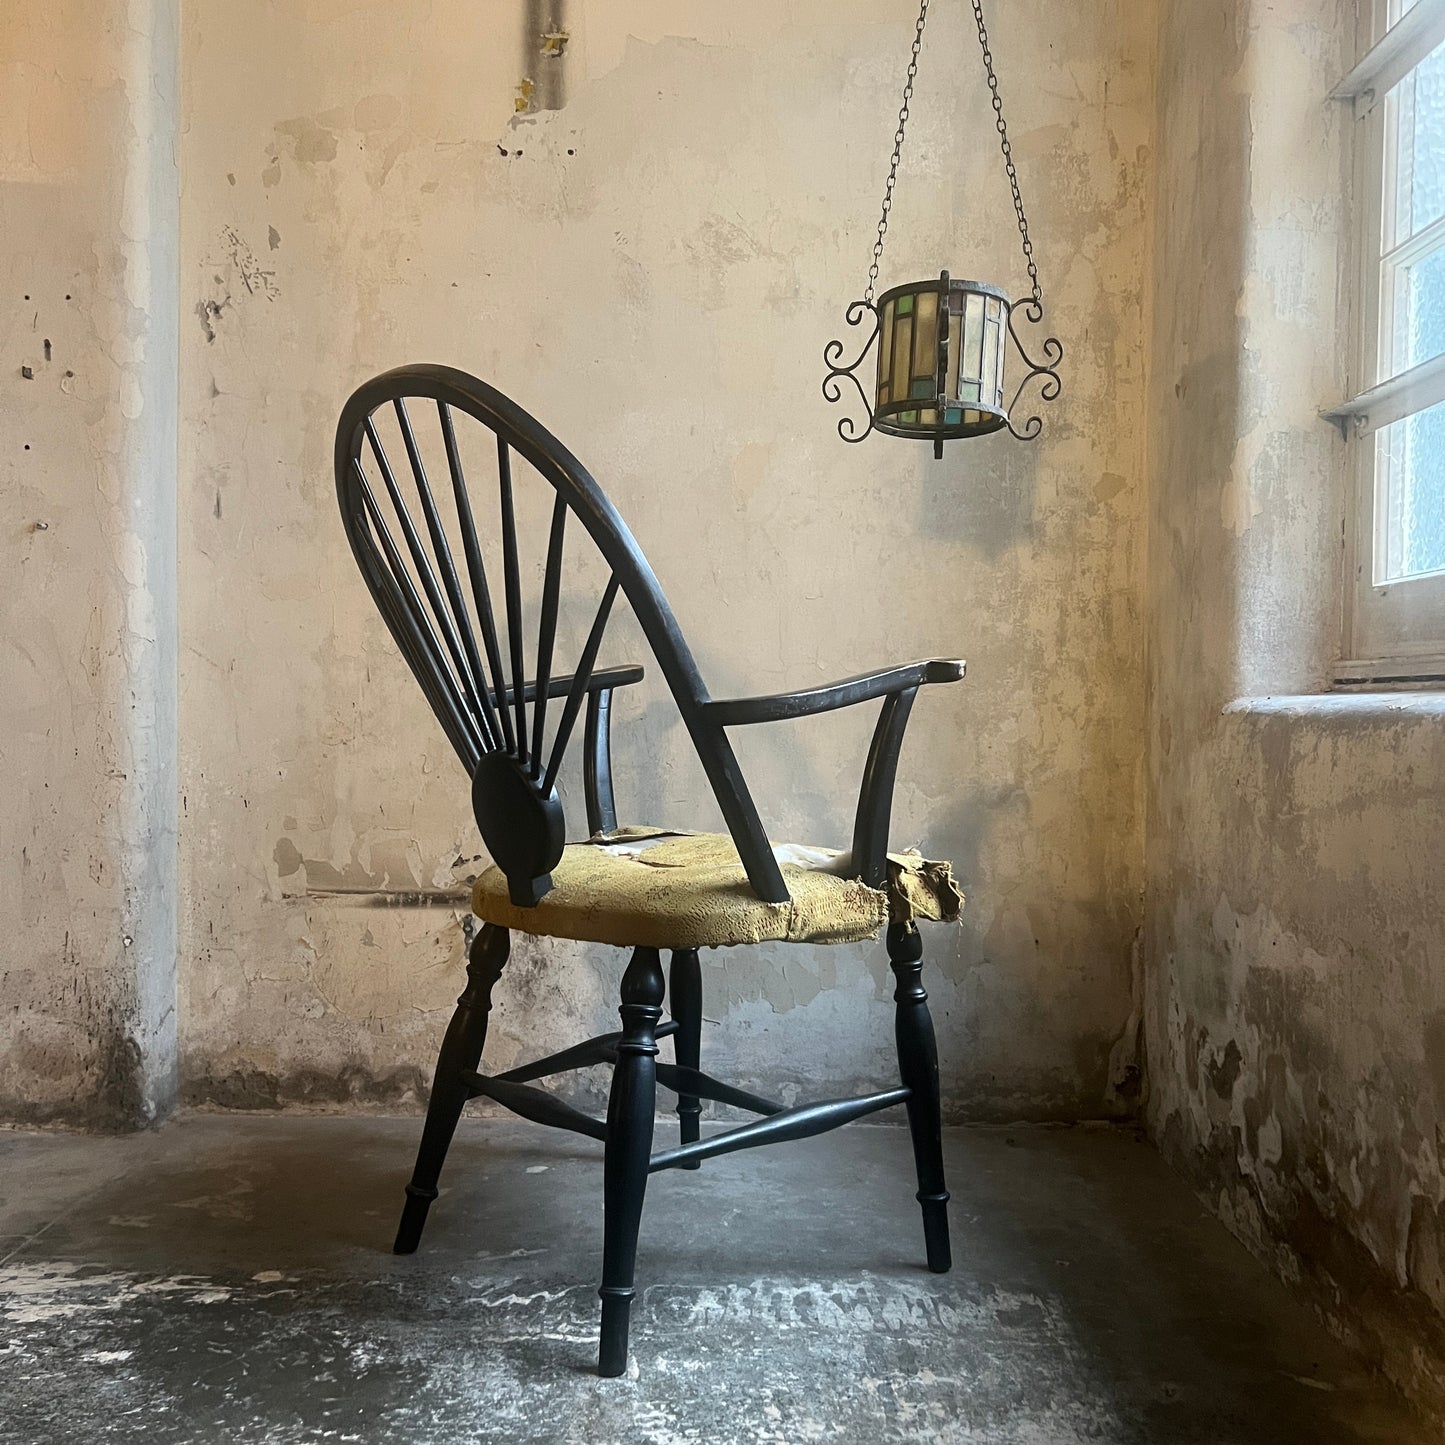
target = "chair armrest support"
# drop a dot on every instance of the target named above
(775, 707)
(597, 763)
(875, 796)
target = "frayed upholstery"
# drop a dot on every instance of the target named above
(647, 887)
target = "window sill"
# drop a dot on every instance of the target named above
(1375, 706)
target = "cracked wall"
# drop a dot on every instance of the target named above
(88, 201)
(1294, 937)
(644, 224)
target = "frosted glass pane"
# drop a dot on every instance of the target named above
(989, 391)
(1419, 311)
(1410, 473)
(1419, 105)
(925, 339)
(972, 359)
(955, 350)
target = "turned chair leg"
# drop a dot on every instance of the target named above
(684, 996)
(918, 1067)
(628, 1151)
(461, 1052)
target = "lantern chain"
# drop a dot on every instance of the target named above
(1007, 149)
(897, 151)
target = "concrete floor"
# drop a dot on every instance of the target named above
(227, 1278)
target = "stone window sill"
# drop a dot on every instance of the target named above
(1372, 706)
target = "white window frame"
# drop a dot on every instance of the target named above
(1394, 632)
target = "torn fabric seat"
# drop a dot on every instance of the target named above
(652, 887)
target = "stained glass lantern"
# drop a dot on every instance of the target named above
(942, 345)
(941, 360)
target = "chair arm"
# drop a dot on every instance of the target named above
(737, 711)
(603, 680)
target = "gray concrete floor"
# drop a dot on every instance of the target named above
(227, 1278)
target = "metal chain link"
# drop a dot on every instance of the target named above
(897, 151)
(1008, 157)
(1008, 160)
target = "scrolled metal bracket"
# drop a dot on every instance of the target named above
(832, 359)
(1053, 353)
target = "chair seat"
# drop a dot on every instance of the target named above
(648, 887)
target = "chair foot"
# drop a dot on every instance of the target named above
(616, 1316)
(461, 1052)
(628, 1152)
(935, 1232)
(684, 994)
(413, 1219)
(918, 1068)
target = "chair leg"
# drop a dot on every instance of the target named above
(918, 1068)
(684, 994)
(629, 1147)
(461, 1052)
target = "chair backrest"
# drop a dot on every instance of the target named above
(472, 658)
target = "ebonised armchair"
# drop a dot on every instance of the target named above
(422, 556)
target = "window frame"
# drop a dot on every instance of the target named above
(1393, 632)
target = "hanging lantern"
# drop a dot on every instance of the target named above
(943, 346)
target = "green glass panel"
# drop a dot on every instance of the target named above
(955, 337)
(952, 416)
(908, 417)
(905, 305)
(922, 389)
(968, 391)
(885, 351)
(902, 350)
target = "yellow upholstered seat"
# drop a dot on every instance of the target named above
(647, 887)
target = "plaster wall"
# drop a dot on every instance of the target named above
(1295, 948)
(643, 222)
(88, 216)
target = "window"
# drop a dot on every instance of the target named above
(1395, 597)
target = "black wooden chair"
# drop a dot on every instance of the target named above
(421, 553)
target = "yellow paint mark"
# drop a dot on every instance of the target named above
(554, 43)
(523, 102)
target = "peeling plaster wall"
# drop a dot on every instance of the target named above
(644, 222)
(88, 217)
(1295, 946)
